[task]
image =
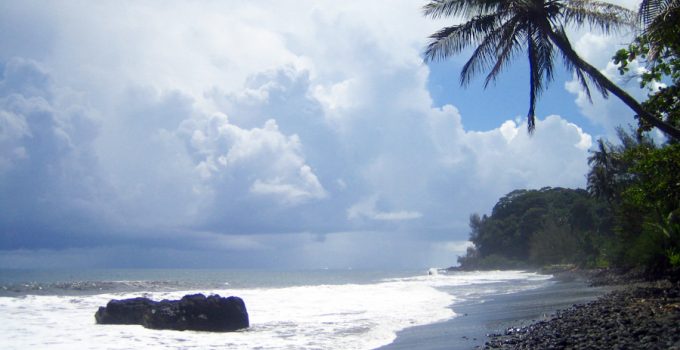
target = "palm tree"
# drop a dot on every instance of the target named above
(660, 20)
(610, 170)
(652, 12)
(600, 176)
(500, 29)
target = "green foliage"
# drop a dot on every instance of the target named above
(674, 258)
(648, 205)
(630, 215)
(659, 65)
(659, 51)
(642, 189)
(492, 261)
(655, 196)
(553, 244)
(535, 228)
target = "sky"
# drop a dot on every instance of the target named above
(266, 134)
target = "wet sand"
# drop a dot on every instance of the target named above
(476, 318)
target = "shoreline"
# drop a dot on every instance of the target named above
(580, 309)
(480, 317)
(643, 315)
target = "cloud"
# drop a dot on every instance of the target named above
(608, 112)
(366, 209)
(223, 151)
(598, 49)
(49, 175)
(458, 247)
(296, 135)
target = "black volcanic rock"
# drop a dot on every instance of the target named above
(192, 312)
(640, 316)
(127, 311)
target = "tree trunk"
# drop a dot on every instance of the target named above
(595, 74)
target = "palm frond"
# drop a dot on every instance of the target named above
(452, 40)
(508, 45)
(535, 85)
(600, 15)
(569, 58)
(651, 9)
(659, 20)
(545, 55)
(488, 26)
(467, 8)
(540, 54)
(481, 58)
(484, 55)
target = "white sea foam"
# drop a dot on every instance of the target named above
(348, 316)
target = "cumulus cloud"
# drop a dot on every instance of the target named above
(598, 49)
(298, 135)
(46, 138)
(221, 149)
(608, 112)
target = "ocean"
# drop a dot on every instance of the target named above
(311, 309)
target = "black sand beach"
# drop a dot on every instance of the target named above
(494, 315)
(564, 315)
(639, 316)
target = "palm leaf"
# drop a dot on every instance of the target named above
(569, 58)
(485, 53)
(499, 28)
(599, 15)
(650, 10)
(540, 56)
(454, 39)
(508, 45)
(466, 8)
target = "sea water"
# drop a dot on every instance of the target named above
(319, 309)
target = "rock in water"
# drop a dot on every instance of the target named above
(196, 312)
(127, 311)
(192, 312)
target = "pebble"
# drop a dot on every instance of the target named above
(641, 316)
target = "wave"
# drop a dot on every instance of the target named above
(85, 287)
(322, 316)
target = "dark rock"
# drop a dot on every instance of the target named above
(127, 311)
(192, 312)
(641, 316)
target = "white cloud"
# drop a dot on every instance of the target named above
(608, 112)
(598, 49)
(258, 130)
(366, 209)
(290, 193)
(458, 247)
(274, 161)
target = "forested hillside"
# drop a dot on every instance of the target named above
(539, 227)
(628, 217)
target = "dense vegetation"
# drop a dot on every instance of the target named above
(629, 216)
(538, 227)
